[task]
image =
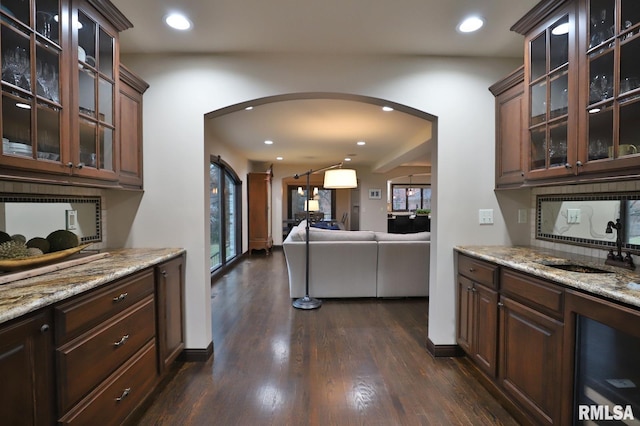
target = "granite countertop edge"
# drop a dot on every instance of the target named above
(31, 294)
(617, 285)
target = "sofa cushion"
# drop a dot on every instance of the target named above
(416, 236)
(316, 234)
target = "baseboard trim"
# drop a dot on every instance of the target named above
(197, 355)
(438, 351)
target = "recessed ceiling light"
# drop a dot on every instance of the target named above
(249, 108)
(594, 110)
(387, 108)
(279, 158)
(268, 142)
(23, 105)
(561, 29)
(471, 24)
(347, 159)
(178, 21)
(361, 143)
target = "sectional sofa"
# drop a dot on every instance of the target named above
(346, 264)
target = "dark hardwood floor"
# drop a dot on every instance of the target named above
(351, 362)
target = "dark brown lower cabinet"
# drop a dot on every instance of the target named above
(170, 278)
(26, 371)
(531, 360)
(93, 358)
(478, 323)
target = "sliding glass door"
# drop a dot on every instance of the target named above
(225, 213)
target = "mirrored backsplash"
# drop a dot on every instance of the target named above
(37, 215)
(93, 225)
(574, 218)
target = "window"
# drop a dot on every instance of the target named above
(224, 213)
(326, 200)
(410, 197)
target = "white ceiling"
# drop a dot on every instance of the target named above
(303, 130)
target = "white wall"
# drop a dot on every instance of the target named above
(184, 88)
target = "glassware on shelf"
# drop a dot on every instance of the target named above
(601, 28)
(627, 84)
(600, 88)
(16, 67)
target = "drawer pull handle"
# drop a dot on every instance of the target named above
(120, 298)
(125, 393)
(121, 341)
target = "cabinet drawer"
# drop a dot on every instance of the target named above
(538, 294)
(81, 314)
(89, 359)
(478, 271)
(115, 399)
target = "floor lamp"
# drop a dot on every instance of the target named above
(335, 177)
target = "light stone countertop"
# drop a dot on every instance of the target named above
(616, 286)
(28, 295)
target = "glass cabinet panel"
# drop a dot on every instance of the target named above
(31, 66)
(600, 77)
(538, 57)
(17, 9)
(549, 96)
(600, 134)
(601, 18)
(539, 103)
(629, 129)
(558, 145)
(97, 93)
(48, 19)
(16, 119)
(614, 79)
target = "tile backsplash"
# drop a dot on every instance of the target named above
(592, 188)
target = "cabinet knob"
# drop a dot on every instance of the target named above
(500, 304)
(125, 393)
(472, 269)
(44, 328)
(579, 163)
(469, 288)
(474, 289)
(80, 165)
(567, 165)
(121, 341)
(164, 273)
(70, 165)
(120, 298)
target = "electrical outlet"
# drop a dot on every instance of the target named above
(485, 216)
(573, 216)
(71, 219)
(522, 215)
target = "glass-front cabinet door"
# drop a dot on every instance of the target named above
(611, 76)
(95, 147)
(550, 80)
(33, 107)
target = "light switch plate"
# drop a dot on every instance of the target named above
(485, 216)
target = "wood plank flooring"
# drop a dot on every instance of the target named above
(351, 362)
